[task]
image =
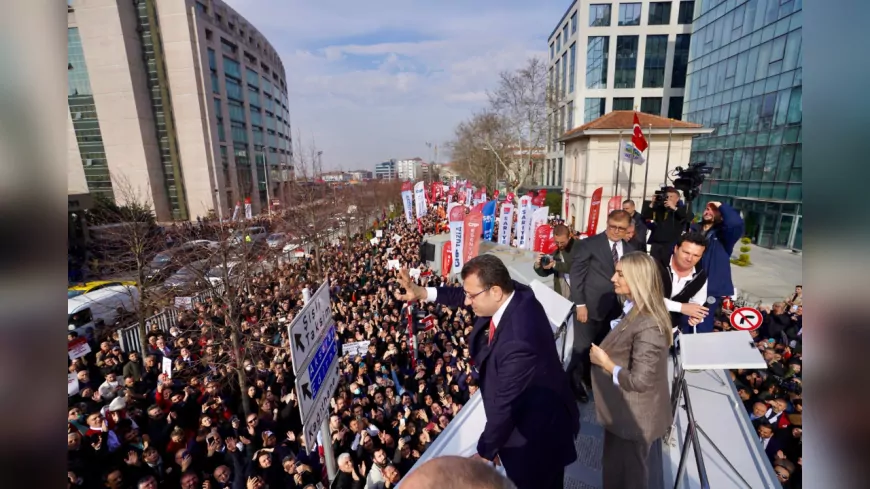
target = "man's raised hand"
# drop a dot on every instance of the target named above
(413, 291)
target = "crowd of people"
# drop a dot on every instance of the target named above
(129, 426)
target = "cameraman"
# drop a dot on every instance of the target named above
(560, 263)
(722, 225)
(670, 220)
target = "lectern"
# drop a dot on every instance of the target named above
(709, 351)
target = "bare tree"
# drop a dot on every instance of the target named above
(472, 147)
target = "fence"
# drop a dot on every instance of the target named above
(129, 336)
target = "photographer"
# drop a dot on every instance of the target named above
(670, 220)
(559, 263)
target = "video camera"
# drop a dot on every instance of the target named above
(689, 180)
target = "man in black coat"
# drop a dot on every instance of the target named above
(638, 241)
(592, 269)
(531, 417)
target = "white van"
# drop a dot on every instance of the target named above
(100, 306)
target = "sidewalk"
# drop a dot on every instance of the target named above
(772, 276)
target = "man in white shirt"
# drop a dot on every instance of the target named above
(685, 283)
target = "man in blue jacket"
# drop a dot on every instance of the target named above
(722, 225)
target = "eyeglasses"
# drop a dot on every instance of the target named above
(618, 229)
(472, 296)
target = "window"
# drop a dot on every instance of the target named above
(231, 68)
(253, 78)
(629, 14)
(559, 43)
(651, 105)
(565, 33)
(564, 72)
(201, 8)
(681, 60)
(237, 112)
(593, 110)
(256, 117)
(675, 108)
(687, 11)
(234, 90)
(573, 56)
(215, 83)
(599, 15)
(596, 62)
(208, 35)
(623, 103)
(654, 61)
(212, 61)
(574, 23)
(569, 119)
(218, 110)
(626, 61)
(240, 134)
(659, 13)
(228, 47)
(552, 50)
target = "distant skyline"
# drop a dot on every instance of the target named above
(372, 81)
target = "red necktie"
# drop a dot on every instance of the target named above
(491, 330)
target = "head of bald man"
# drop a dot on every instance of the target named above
(450, 471)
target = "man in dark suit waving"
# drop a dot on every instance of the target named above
(592, 291)
(531, 417)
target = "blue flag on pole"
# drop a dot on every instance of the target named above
(489, 219)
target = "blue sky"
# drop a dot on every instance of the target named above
(374, 80)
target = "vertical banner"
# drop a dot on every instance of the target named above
(450, 207)
(407, 202)
(457, 236)
(420, 198)
(237, 211)
(539, 218)
(248, 211)
(489, 219)
(473, 229)
(419, 225)
(614, 203)
(446, 259)
(469, 194)
(524, 221)
(506, 221)
(594, 211)
(566, 197)
(538, 201)
(543, 234)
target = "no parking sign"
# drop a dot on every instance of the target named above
(746, 319)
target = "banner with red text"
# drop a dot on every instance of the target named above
(446, 259)
(542, 236)
(473, 232)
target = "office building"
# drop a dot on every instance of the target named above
(745, 81)
(386, 170)
(361, 175)
(609, 55)
(410, 169)
(179, 103)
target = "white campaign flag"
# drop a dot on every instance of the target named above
(420, 198)
(407, 203)
(524, 221)
(627, 150)
(506, 221)
(539, 218)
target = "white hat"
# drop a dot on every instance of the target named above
(118, 404)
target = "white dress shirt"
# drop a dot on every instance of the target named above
(678, 284)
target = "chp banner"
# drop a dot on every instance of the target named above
(248, 213)
(505, 223)
(446, 259)
(473, 228)
(614, 203)
(457, 237)
(543, 236)
(539, 218)
(594, 211)
(489, 219)
(407, 202)
(524, 221)
(420, 198)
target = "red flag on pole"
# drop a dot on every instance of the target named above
(594, 211)
(637, 138)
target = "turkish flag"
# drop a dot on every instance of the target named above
(429, 322)
(637, 138)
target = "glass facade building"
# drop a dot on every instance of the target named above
(745, 81)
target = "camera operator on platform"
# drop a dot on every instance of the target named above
(670, 220)
(559, 264)
(722, 227)
(685, 283)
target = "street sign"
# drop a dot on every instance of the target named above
(308, 326)
(746, 319)
(319, 409)
(315, 372)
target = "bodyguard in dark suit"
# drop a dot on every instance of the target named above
(531, 416)
(593, 265)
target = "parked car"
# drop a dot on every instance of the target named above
(253, 234)
(277, 240)
(189, 278)
(102, 306)
(77, 290)
(216, 274)
(166, 263)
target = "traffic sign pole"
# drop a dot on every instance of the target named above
(325, 435)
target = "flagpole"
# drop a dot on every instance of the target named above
(646, 163)
(618, 162)
(631, 171)
(668, 157)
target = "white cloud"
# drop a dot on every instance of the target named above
(375, 80)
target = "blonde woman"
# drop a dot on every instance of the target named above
(630, 376)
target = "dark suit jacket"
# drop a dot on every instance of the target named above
(591, 270)
(531, 415)
(562, 266)
(639, 408)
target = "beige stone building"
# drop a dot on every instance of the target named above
(182, 103)
(592, 161)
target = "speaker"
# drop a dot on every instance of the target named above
(427, 252)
